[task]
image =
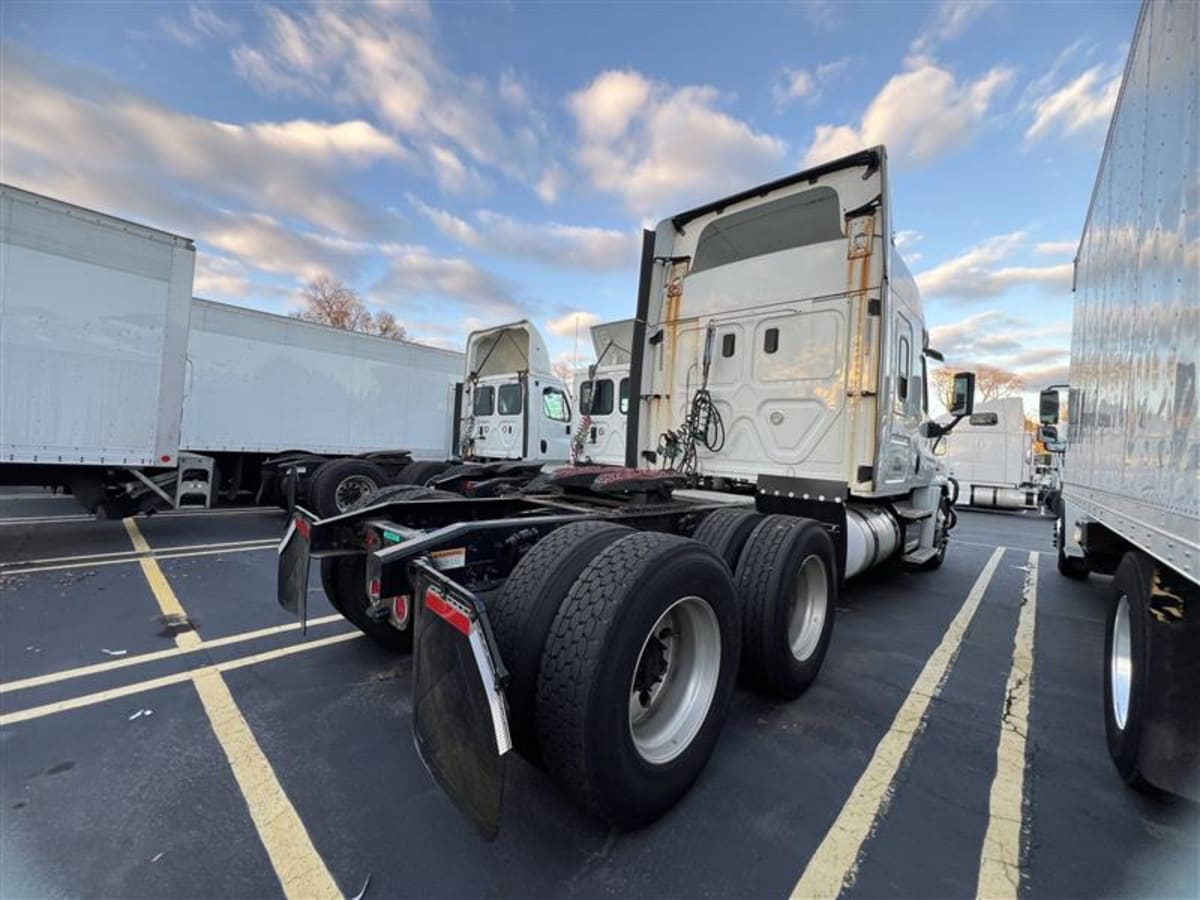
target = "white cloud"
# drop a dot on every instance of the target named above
(949, 20)
(793, 84)
(385, 57)
(572, 323)
(823, 15)
(550, 184)
(267, 195)
(415, 272)
(652, 144)
(1014, 343)
(1056, 248)
(572, 246)
(906, 237)
(1084, 104)
(221, 278)
(977, 272)
(920, 114)
(200, 24)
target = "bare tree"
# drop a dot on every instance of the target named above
(330, 302)
(991, 382)
(566, 372)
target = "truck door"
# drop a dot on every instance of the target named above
(900, 451)
(498, 408)
(550, 421)
(598, 401)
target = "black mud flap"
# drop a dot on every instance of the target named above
(460, 721)
(292, 577)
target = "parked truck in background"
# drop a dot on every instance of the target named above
(778, 443)
(269, 399)
(1130, 504)
(93, 335)
(602, 408)
(120, 387)
(990, 457)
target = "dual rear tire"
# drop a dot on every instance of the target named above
(624, 647)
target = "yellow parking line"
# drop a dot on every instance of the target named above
(167, 601)
(131, 555)
(130, 558)
(1000, 859)
(150, 684)
(94, 668)
(836, 859)
(300, 870)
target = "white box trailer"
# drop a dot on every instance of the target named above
(93, 337)
(261, 386)
(1131, 474)
(990, 456)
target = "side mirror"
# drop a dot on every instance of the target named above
(1048, 407)
(1048, 434)
(964, 394)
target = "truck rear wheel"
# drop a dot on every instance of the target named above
(726, 532)
(1070, 566)
(787, 583)
(345, 581)
(524, 611)
(420, 472)
(637, 674)
(1126, 666)
(340, 483)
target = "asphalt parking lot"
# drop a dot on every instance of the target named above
(166, 730)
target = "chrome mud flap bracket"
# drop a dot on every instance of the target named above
(460, 717)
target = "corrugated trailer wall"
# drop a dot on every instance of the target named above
(1135, 440)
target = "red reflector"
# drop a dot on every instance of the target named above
(400, 608)
(374, 588)
(302, 527)
(435, 602)
(165, 458)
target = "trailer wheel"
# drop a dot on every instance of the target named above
(787, 583)
(1070, 566)
(345, 581)
(1126, 666)
(340, 483)
(637, 674)
(420, 472)
(726, 531)
(524, 611)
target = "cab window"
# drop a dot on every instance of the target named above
(600, 398)
(509, 400)
(623, 398)
(485, 401)
(555, 405)
(807, 217)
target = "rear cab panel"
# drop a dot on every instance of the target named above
(790, 279)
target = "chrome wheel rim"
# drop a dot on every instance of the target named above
(353, 489)
(809, 606)
(1120, 663)
(675, 680)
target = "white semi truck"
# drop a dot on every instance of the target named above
(990, 457)
(598, 619)
(1130, 504)
(602, 410)
(118, 385)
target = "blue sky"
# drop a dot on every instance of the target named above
(464, 164)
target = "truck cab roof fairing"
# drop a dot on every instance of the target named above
(505, 349)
